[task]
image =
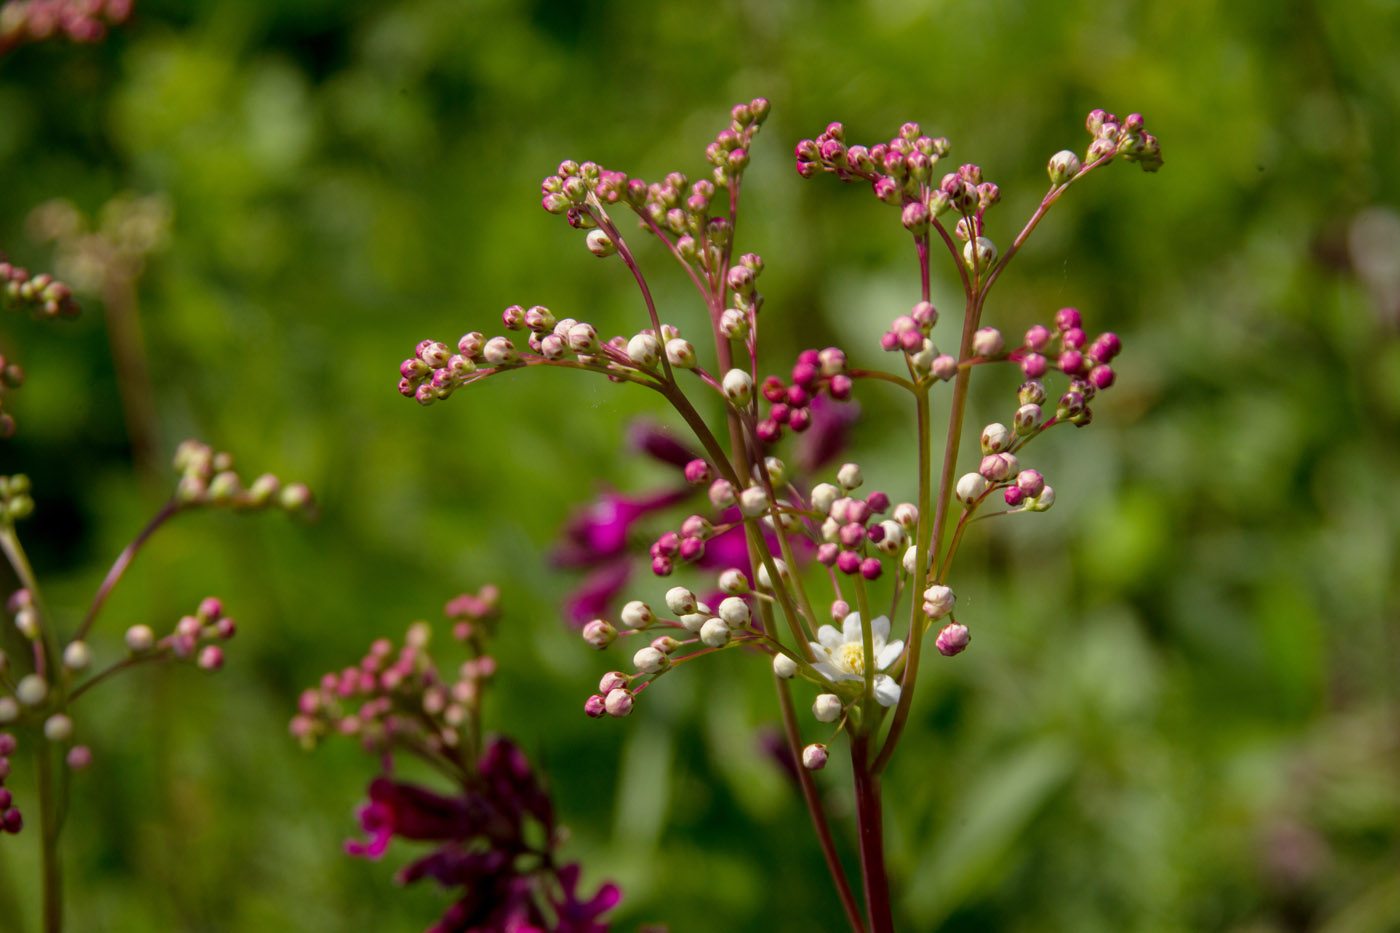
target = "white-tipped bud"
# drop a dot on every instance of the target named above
(9, 710)
(1063, 166)
(988, 343)
(849, 476)
(32, 690)
(1043, 501)
(599, 243)
(784, 666)
(140, 638)
(650, 661)
(618, 702)
(910, 557)
(599, 633)
(923, 358)
(722, 494)
(971, 487)
(680, 352)
(893, 539)
(644, 350)
(945, 367)
(734, 611)
(827, 707)
(499, 351)
(907, 514)
(583, 338)
(680, 600)
(76, 656)
(27, 621)
(938, 601)
(636, 614)
(738, 387)
(777, 471)
(979, 253)
(714, 633)
(823, 495)
(766, 581)
(840, 509)
(831, 530)
(694, 621)
(734, 324)
(733, 582)
(814, 757)
(995, 438)
(58, 728)
(753, 500)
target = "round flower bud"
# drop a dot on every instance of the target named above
(697, 473)
(734, 324)
(944, 367)
(823, 495)
(953, 639)
(76, 656)
(79, 757)
(1043, 501)
(753, 500)
(738, 387)
(1030, 482)
(680, 353)
(733, 582)
(9, 710)
(766, 581)
(499, 351)
(599, 633)
(893, 539)
(599, 243)
(979, 253)
(970, 488)
(694, 621)
(58, 728)
(650, 661)
(618, 702)
(610, 682)
(644, 350)
(140, 638)
(714, 633)
(1063, 166)
(938, 601)
(593, 707)
(827, 707)
(987, 342)
(849, 476)
(722, 494)
(1027, 419)
(784, 666)
(777, 471)
(636, 614)
(27, 621)
(998, 468)
(32, 690)
(665, 644)
(734, 611)
(680, 600)
(814, 757)
(582, 338)
(995, 438)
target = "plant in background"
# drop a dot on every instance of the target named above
(496, 835)
(822, 627)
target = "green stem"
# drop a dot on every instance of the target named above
(48, 837)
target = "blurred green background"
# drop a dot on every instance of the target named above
(1180, 709)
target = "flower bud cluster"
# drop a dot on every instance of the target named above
(688, 544)
(909, 334)
(86, 21)
(789, 404)
(1127, 138)
(15, 499)
(207, 478)
(1068, 347)
(41, 294)
(396, 695)
(11, 819)
(851, 527)
(11, 377)
(197, 637)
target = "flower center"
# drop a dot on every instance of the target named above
(852, 657)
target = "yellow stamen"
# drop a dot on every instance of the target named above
(852, 657)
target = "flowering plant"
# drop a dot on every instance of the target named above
(870, 550)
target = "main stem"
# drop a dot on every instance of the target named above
(48, 832)
(871, 829)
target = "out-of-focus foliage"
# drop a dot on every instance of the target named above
(1179, 710)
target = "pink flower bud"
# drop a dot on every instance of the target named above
(594, 707)
(814, 757)
(599, 633)
(953, 639)
(618, 703)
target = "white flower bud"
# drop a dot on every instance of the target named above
(599, 243)
(777, 471)
(814, 757)
(831, 530)
(722, 494)
(910, 556)
(650, 661)
(753, 501)
(784, 666)
(995, 438)
(970, 488)
(1043, 501)
(988, 343)
(140, 638)
(893, 539)
(1063, 166)
(714, 633)
(636, 614)
(738, 387)
(840, 508)
(9, 710)
(680, 600)
(938, 601)
(58, 728)
(27, 621)
(599, 633)
(734, 324)
(644, 350)
(499, 351)
(694, 621)
(764, 580)
(76, 656)
(924, 357)
(733, 582)
(583, 338)
(32, 690)
(735, 612)
(979, 253)
(823, 495)
(945, 367)
(827, 707)
(680, 353)
(618, 702)
(907, 514)
(849, 476)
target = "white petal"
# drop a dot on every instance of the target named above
(889, 654)
(830, 672)
(886, 690)
(851, 628)
(829, 637)
(881, 628)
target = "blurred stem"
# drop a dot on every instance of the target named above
(48, 836)
(133, 374)
(19, 561)
(870, 826)
(123, 561)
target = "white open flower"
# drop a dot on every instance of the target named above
(841, 655)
